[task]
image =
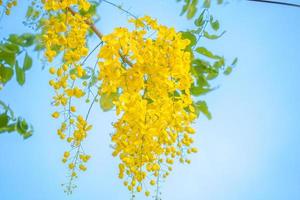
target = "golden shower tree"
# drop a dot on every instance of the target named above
(151, 75)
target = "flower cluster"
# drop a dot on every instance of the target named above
(66, 31)
(9, 5)
(150, 70)
(64, 4)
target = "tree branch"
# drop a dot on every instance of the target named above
(100, 35)
(277, 2)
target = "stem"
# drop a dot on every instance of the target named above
(88, 113)
(277, 2)
(120, 8)
(91, 52)
(92, 26)
(100, 35)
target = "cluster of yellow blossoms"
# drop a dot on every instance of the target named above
(9, 5)
(150, 70)
(65, 4)
(65, 31)
(146, 70)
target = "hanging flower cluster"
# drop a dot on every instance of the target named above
(65, 32)
(8, 6)
(149, 69)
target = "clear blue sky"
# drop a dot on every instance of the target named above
(249, 150)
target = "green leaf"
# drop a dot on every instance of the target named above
(234, 62)
(8, 129)
(27, 135)
(22, 126)
(214, 24)
(212, 36)
(228, 70)
(10, 47)
(6, 74)
(218, 64)
(199, 90)
(14, 38)
(207, 53)
(28, 39)
(190, 36)
(27, 62)
(4, 118)
(206, 3)
(20, 74)
(200, 20)
(201, 107)
(29, 11)
(185, 7)
(212, 75)
(192, 9)
(106, 101)
(7, 109)
(9, 58)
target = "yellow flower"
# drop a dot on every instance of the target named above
(73, 109)
(52, 70)
(66, 154)
(155, 81)
(55, 115)
(82, 167)
(139, 188)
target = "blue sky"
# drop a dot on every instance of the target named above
(249, 150)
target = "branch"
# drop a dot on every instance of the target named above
(277, 2)
(100, 35)
(92, 26)
(120, 8)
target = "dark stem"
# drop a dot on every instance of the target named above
(277, 2)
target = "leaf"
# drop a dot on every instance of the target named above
(4, 118)
(29, 11)
(10, 47)
(28, 39)
(7, 109)
(6, 73)
(20, 74)
(201, 107)
(192, 9)
(199, 90)
(27, 135)
(106, 101)
(190, 36)
(8, 129)
(185, 7)
(219, 63)
(234, 62)
(207, 53)
(206, 3)
(228, 70)
(212, 36)
(214, 24)
(212, 75)
(200, 20)
(22, 126)
(14, 38)
(27, 62)
(9, 58)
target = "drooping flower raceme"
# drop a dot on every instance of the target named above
(149, 69)
(64, 33)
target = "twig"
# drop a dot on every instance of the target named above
(277, 2)
(100, 35)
